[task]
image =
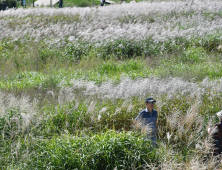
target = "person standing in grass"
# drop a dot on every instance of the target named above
(147, 120)
(60, 3)
(102, 2)
(216, 133)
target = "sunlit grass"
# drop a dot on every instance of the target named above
(78, 128)
(68, 98)
(98, 70)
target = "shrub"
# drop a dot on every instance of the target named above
(121, 150)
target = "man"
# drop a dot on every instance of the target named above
(147, 120)
(216, 132)
(60, 3)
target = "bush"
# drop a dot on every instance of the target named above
(102, 151)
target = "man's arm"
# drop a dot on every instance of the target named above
(156, 122)
(137, 121)
(137, 124)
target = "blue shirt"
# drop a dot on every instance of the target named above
(148, 120)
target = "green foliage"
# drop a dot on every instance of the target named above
(75, 52)
(96, 139)
(11, 3)
(99, 132)
(194, 55)
(85, 3)
(122, 67)
(105, 151)
(108, 150)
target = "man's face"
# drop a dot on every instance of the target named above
(150, 105)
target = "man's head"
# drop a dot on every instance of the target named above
(150, 103)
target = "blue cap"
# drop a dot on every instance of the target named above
(149, 99)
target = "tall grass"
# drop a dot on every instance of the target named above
(73, 80)
(32, 132)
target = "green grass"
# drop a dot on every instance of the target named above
(70, 135)
(83, 3)
(46, 123)
(49, 73)
(109, 150)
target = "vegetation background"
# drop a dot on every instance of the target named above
(73, 80)
(71, 3)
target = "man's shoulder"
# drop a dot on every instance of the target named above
(143, 111)
(154, 111)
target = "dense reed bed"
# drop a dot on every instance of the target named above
(73, 80)
(90, 127)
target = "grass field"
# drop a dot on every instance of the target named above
(73, 80)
